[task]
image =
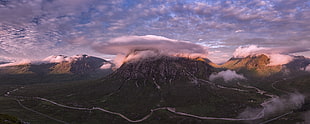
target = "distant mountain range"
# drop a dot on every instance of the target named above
(163, 68)
(56, 68)
(142, 85)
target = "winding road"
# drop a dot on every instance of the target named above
(260, 115)
(7, 94)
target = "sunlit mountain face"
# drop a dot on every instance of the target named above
(173, 61)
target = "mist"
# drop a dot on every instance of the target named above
(276, 105)
(227, 75)
(308, 68)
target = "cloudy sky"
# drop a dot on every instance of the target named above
(36, 29)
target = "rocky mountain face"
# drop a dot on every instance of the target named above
(164, 69)
(252, 65)
(80, 65)
(160, 81)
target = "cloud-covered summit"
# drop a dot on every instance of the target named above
(125, 44)
(137, 47)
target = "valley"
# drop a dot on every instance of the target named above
(125, 96)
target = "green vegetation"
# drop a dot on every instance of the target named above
(8, 119)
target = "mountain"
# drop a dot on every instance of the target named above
(160, 81)
(56, 68)
(164, 69)
(258, 66)
(252, 65)
(80, 64)
(156, 89)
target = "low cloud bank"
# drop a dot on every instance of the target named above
(136, 47)
(276, 105)
(227, 75)
(278, 56)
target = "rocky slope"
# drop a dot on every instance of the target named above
(164, 69)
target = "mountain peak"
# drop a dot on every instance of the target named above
(266, 65)
(257, 64)
(163, 69)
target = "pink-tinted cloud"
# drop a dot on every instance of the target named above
(22, 62)
(125, 44)
(137, 47)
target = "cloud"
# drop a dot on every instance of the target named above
(29, 29)
(125, 44)
(308, 68)
(60, 58)
(106, 66)
(227, 75)
(277, 55)
(251, 50)
(22, 62)
(279, 59)
(137, 47)
(276, 105)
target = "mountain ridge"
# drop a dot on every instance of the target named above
(79, 67)
(258, 65)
